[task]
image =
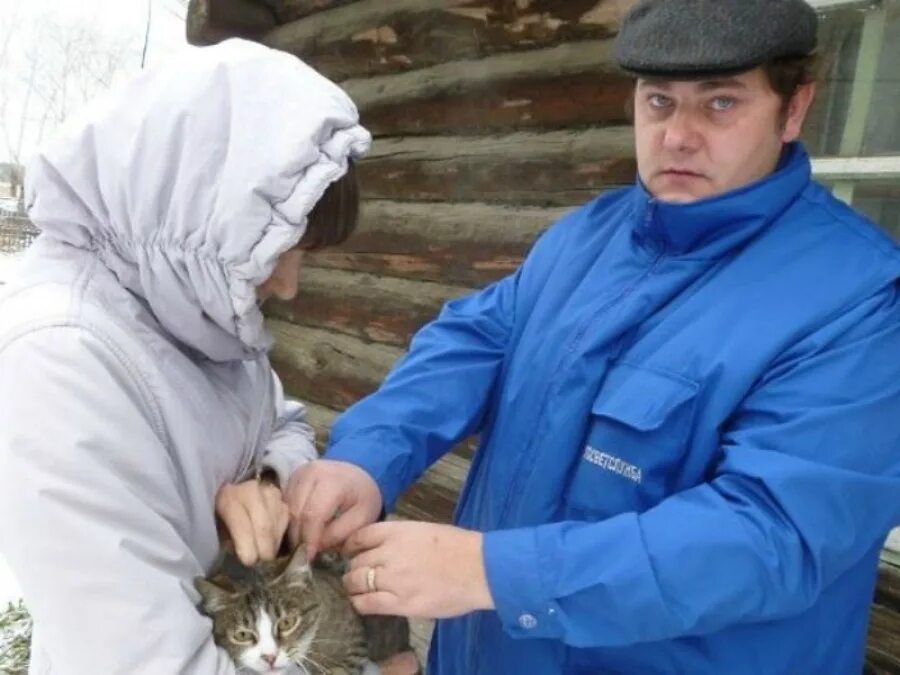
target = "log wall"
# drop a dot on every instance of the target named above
(491, 119)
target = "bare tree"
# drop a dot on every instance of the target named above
(46, 71)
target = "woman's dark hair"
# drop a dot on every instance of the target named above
(335, 215)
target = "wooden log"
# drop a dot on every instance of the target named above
(888, 591)
(458, 78)
(384, 36)
(433, 498)
(328, 369)
(554, 102)
(883, 649)
(568, 85)
(369, 307)
(463, 244)
(321, 419)
(329, 372)
(291, 10)
(211, 21)
(553, 169)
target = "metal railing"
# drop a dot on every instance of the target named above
(16, 234)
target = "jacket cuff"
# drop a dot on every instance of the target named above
(513, 565)
(373, 454)
(281, 465)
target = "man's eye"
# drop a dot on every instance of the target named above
(658, 101)
(722, 103)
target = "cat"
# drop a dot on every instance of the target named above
(288, 617)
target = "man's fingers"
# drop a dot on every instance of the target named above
(372, 558)
(366, 538)
(356, 581)
(377, 603)
(339, 529)
(298, 495)
(320, 507)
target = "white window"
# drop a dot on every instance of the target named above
(854, 129)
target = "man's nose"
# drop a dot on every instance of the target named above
(681, 133)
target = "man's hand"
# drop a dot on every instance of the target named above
(421, 570)
(328, 502)
(255, 517)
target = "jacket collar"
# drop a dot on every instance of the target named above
(711, 227)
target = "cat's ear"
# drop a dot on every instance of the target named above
(297, 572)
(214, 598)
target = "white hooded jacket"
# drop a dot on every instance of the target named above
(134, 378)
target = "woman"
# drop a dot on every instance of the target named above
(136, 397)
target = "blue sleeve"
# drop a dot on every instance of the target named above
(434, 397)
(807, 484)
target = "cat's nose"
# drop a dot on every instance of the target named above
(270, 659)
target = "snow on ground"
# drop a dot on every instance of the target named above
(9, 589)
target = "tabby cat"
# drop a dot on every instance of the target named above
(288, 617)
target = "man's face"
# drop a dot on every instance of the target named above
(697, 139)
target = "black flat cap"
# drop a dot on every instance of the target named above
(698, 38)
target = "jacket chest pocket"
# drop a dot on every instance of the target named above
(638, 434)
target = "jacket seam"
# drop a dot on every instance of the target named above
(118, 352)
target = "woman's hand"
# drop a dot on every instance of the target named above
(255, 517)
(417, 569)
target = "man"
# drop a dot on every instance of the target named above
(687, 400)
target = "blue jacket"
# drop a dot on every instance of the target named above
(690, 436)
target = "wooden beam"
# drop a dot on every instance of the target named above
(366, 306)
(551, 169)
(829, 5)
(291, 10)
(881, 168)
(372, 37)
(328, 369)
(567, 85)
(469, 245)
(305, 37)
(433, 498)
(541, 103)
(888, 591)
(460, 77)
(883, 647)
(320, 418)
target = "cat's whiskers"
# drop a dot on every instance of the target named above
(306, 658)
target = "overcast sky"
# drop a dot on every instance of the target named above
(123, 22)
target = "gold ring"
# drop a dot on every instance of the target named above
(370, 580)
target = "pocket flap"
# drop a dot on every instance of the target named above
(642, 398)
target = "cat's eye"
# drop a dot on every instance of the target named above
(287, 625)
(242, 636)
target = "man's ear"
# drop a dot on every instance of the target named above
(798, 108)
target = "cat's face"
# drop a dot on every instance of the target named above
(265, 622)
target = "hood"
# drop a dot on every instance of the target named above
(189, 182)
